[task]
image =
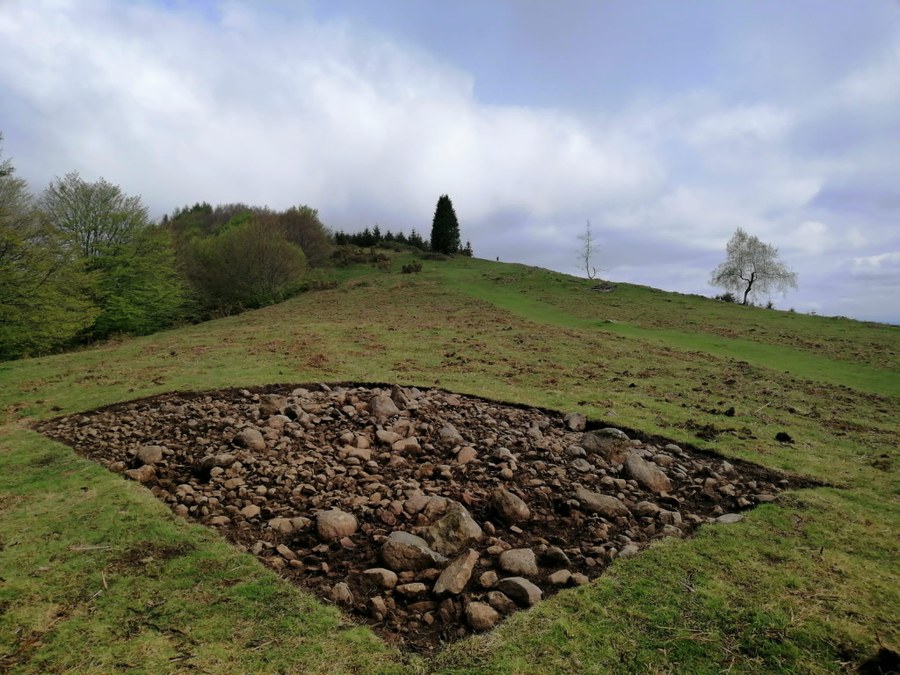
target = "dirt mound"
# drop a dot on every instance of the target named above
(425, 513)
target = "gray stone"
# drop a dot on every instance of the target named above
(501, 602)
(645, 509)
(730, 518)
(383, 578)
(560, 577)
(575, 421)
(335, 524)
(555, 557)
(466, 455)
(510, 507)
(454, 531)
(143, 474)
(605, 505)
(412, 591)
(222, 460)
(388, 437)
(251, 439)
(382, 407)
(250, 511)
(488, 579)
(149, 454)
(457, 574)
(613, 433)
(521, 591)
(582, 465)
(519, 562)
(403, 552)
(450, 435)
(481, 616)
(629, 551)
(341, 595)
(647, 474)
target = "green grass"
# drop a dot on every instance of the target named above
(96, 575)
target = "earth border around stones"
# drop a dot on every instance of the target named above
(428, 514)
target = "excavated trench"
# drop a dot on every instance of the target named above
(427, 514)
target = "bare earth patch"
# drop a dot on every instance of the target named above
(427, 514)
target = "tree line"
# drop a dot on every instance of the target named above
(82, 261)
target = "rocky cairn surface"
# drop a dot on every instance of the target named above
(428, 514)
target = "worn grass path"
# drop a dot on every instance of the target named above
(96, 576)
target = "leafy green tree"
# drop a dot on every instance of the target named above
(444, 227)
(752, 268)
(245, 266)
(138, 286)
(134, 279)
(43, 303)
(301, 226)
(94, 215)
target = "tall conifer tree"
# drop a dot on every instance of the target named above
(445, 227)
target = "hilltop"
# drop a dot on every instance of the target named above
(807, 583)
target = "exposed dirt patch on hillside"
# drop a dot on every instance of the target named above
(425, 513)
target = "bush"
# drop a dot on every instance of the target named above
(412, 268)
(728, 296)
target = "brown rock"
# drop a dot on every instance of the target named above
(381, 577)
(501, 602)
(341, 595)
(647, 474)
(605, 505)
(466, 455)
(454, 531)
(575, 421)
(250, 511)
(411, 591)
(403, 551)
(481, 616)
(520, 590)
(560, 577)
(251, 439)
(143, 474)
(382, 408)
(520, 562)
(457, 574)
(149, 454)
(335, 524)
(510, 507)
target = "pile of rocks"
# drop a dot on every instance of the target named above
(426, 513)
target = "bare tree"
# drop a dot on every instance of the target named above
(752, 268)
(588, 250)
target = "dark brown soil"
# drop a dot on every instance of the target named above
(323, 447)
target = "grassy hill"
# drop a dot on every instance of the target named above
(96, 575)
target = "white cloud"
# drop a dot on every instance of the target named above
(265, 104)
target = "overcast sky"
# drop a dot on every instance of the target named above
(666, 124)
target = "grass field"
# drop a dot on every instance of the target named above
(96, 576)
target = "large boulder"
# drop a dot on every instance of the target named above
(605, 505)
(647, 474)
(405, 552)
(454, 531)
